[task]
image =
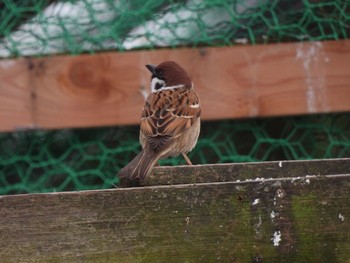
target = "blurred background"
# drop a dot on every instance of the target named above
(89, 158)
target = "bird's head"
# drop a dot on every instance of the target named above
(168, 75)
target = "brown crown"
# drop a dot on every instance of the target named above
(173, 74)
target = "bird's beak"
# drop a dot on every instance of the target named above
(151, 68)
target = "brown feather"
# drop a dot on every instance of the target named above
(140, 166)
(174, 74)
(162, 116)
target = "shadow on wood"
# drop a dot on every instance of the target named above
(265, 212)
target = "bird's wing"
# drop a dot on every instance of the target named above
(167, 114)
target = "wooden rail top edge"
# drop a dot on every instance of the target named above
(232, 173)
(247, 171)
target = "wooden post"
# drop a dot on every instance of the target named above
(265, 212)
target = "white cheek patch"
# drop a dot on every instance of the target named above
(156, 82)
(160, 84)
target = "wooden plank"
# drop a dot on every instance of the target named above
(172, 175)
(16, 107)
(300, 219)
(233, 82)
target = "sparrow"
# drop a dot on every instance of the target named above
(170, 120)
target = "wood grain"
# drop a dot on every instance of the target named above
(16, 102)
(233, 82)
(172, 175)
(299, 218)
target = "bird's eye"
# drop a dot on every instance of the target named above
(159, 74)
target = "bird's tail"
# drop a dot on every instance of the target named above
(139, 167)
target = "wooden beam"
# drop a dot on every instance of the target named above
(238, 172)
(264, 217)
(16, 103)
(233, 82)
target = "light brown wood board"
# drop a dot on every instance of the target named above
(232, 82)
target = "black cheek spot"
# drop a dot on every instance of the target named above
(158, 86)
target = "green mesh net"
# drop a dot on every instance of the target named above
(39, 161)
(42, 161)
(37, 27)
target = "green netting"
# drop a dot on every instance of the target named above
(37, 27)
(40, 161)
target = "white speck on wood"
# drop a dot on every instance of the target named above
(277, 238)
(256, 201)
(341, 217)
(272, 214)
(296, 178)
(280, 164)
(280, 193)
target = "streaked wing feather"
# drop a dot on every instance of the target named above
(167, 114)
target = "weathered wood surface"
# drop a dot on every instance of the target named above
(297, 216)
(240, 172)
(244, 81)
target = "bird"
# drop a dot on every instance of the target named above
(170, 120)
